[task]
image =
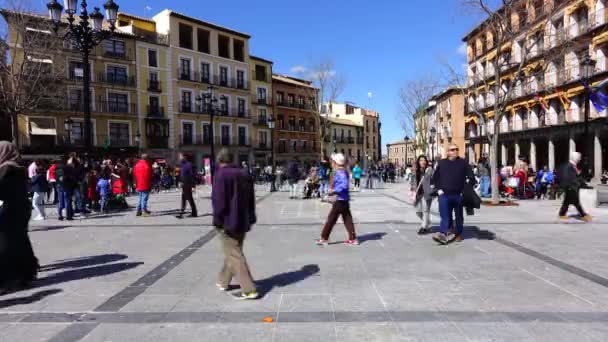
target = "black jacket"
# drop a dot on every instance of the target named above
(568, 177)
(450, 176)
(40, 184)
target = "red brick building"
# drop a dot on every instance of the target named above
(297, 120)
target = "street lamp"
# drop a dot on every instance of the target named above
(407, 141)
(138, 141)
(271, 124)
(208, 104)
(84, 35)
(67, 124)
(588, 66)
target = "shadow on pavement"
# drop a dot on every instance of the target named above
(371, 237)
(83, 262)
(471, 232)
(84, 273)
(285, 279)
(33, 298)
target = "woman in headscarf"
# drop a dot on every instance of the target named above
(18, 265)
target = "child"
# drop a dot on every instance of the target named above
(104, 190)
(40, 186)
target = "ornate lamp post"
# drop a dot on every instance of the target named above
(84, 35)
(208, 104)
(588, 66)
(271, 124)
(432, 142)
(67, 124)
(407, 142)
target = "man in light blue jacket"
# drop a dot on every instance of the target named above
(341, 206)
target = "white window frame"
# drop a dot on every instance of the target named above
(229, 73)
(120, 121)
(148, 58)
(231, 136)
(236, 103)
(192, 96)
(247, 134)
(244, 70)
(211, 71)
(181, 131)
(107, 64)
(93, 107)
(203, 123)
(179, 65)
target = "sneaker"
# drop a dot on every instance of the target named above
(145, 214)
(244, 296)
(457, 238)
(424, 231)
(586, 218)
(39, 218)
(138, 213)
(220, 287)
(564, 217)
(60, 218)
(354, 242)
(322, 242)
(440, 238)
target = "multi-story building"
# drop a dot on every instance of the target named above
(114, 94)
(546, 106)
(262, 108)
(401, 153)
(152, 55)
(368, 119)
(207, 58)
(297, 120)
(431, 134)
(421, 130)
(449, 120)
(346, 137)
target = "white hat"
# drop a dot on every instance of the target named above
(338, 158)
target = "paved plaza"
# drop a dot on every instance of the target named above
(520, 275)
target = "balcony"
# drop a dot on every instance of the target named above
(157, 142)
(261, 145)
(117, 107)
(243, 141)
(262, 101)
(186, 107)
(189, 140)
(156, 112)
(122, 55)
(261, 121)
(360, 140)
(185, 75)
(154, 86)
(117, 80)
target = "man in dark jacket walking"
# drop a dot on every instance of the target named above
(233, 201)
(65, 175)
(187, 178)
(449, 181)
(570, 182)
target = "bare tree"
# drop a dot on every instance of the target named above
(28, 74)
(509, 71)
(330, 86)
(414, 97)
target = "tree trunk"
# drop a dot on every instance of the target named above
(15, 129)
(494, 169)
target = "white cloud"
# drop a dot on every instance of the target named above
(462, 49)
(319, 74)
(298, 69)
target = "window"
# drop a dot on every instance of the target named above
(240, 79)
(239, 50)
(350, 110)
(118, 103)
(186, 102)
(224, 105)
(75, 99)
(242, 133)
(154, 106)
(77, 133)
(184, 69)
(304, 145)
(116, 74)
(294, 146)
(263, 136)
(280, 98)
(292, 123)
(350, 152)
(206, 133)
(282, 146)
(203, 40)
(311, 125)
(153, 83)
(302, 125)
(153, 58)
(205, 72)
(119, 134)
(280, 122)
(260, 73)
(224, 76)
(313, 103)
(76, 70)
(291, 99)
(225, 135)
(241, 107)
(223, 46)
(114, 48)
(187, 133)
(262, 95)
(185, 36)
(301, 102)
(374, 126)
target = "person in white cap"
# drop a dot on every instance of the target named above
(570, 183)
(341, 207)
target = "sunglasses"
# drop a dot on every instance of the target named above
(453, 149)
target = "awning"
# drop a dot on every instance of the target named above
(471, 119)
(490, 114)
(36, 129)
(602, 38)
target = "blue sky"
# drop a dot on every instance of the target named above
(378, 45)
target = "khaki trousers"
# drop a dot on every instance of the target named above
(235, 263)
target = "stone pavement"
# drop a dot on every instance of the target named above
(122, 278)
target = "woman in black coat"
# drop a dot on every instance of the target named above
(18, 265)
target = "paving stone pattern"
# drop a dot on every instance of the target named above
(521, 275)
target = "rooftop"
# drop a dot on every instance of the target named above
(204, 23)
(344, 122)
(292, 80)
(261, 59)
(400, 142)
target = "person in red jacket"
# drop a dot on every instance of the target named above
(142, 173)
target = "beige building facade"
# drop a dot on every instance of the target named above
(346, 137)
(401, 153)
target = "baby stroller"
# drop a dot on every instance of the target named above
(118, 199)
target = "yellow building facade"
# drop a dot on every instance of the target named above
(261, 109)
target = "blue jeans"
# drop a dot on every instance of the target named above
(79, 200)
(484, 184)
(103, 202)
(323, 188)
(65, 202)
(143, 201)
(449, 204)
